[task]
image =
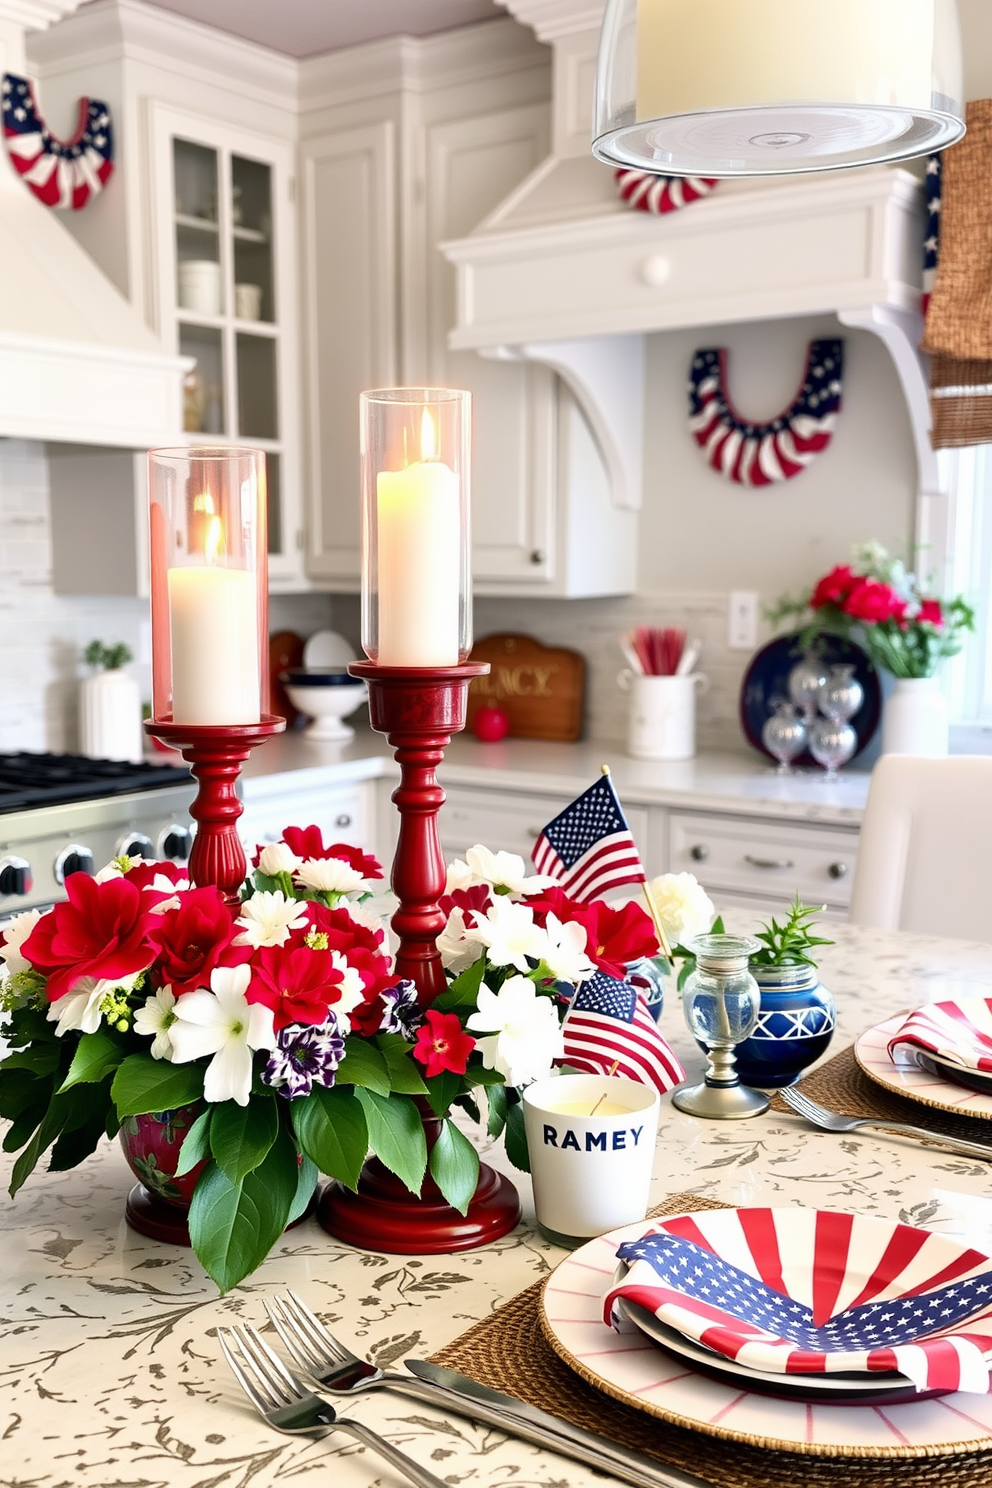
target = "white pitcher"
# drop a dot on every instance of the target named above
(915, 718)
(662, 724)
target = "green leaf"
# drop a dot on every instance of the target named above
(241, 1136)
(233, 1226)
(396, 1136)
(363, 1065)
(82, 1132)
(20, 1089)
(196, 1143)
(465, 1102)
(516, 1138)
(331, 1129)
(96, 1055)
(306, 1182)
(442, 1089)
(464, 990)
(144, 1084)
(496, 1096)
(477, 1074)
(40, 1059)
(454, 1166)
(404, 1076)
(52, 1123)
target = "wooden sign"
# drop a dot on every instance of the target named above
(541, 689)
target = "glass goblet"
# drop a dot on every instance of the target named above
(784, 735)
(841, 695)
(832, 743)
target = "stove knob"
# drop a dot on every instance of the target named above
(135, 845)
(15, 876)
(73, 859)
(175, 843)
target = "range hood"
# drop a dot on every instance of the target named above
(565, 273)
(77, 362)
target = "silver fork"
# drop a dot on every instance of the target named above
(833, 1121)
(283, 1402)
(335, 1370)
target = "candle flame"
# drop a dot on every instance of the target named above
(428, 436)
(213, 540)
(204, 503)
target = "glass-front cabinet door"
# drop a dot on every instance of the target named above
(226, 300)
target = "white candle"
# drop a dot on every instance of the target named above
(713, 54)
(419, 549)
(213, 617)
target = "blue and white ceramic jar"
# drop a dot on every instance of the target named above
(796, 1021)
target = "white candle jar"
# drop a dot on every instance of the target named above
(416, 597)
(209, 586)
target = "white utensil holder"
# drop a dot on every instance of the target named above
(662, 722)
(110, 717)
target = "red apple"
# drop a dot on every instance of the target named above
(490, 724)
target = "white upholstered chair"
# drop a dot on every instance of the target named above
(925, 855)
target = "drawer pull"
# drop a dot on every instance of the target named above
(768, 862)
(699, 853)
(344, 820)
(838, 870)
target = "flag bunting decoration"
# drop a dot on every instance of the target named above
(60, 173)
(754, 454)
(958, 1032)
(607, 1024)
(935, 1328)
(588, 848)
(931, 246)
(646, 191)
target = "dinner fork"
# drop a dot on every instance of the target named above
(283, 1402)
(833, 1121)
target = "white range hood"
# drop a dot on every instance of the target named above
(564, 273)
(77, 362)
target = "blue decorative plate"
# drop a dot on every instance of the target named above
(766, 681)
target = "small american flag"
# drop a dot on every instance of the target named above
(608, 1029)
(588, 848)
(791, 1299)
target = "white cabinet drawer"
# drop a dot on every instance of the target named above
(765, 859)
(509, 821)
(343, 814)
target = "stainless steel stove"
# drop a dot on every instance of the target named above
(63, 814)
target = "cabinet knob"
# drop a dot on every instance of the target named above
(768, 862)
(838, 870)
(537, 556)
(699, 852)
(15, 876)
(73, 859)
(344, 820)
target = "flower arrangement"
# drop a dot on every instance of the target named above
(888, 610)
(285, 1026)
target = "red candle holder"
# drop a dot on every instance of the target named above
(418, 709)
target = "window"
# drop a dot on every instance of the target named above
(967, 474)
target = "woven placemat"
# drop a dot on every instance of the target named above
(841, 1085)
(509, 1352)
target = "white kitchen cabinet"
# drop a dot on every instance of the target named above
(344, 812)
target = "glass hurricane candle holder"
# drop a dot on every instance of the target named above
(416, 598)
(209, 586)
(721, 1003)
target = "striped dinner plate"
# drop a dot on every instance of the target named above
(912, 1080)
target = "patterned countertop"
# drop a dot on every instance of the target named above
(110, 1375)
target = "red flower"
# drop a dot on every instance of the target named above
(479, 897)
(931, 611)
(298, 984)
(615, 937)
(834, 587)
(308, 842)
(872, 601)
(554, 900)
(102, 931)
(143, 876)
(193, 939)
(361, 946)
(443, 1044)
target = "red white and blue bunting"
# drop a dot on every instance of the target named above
(647, 192)
(60, 173)
(763, 454)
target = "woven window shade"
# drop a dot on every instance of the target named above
(958, 333)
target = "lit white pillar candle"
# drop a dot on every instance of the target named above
(213, 619)
(419, 545)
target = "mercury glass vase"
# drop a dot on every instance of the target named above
(784, 735)
(832, 744)
(805, 681)
(841, 694)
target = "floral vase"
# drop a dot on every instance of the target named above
(796, 1020)
(915, 718)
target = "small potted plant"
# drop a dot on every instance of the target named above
(797, 1015)
(110, 706)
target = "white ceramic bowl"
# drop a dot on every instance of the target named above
(326, 697)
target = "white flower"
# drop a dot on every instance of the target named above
(504, 870)
(222, 1023)
(460, 876)
(565, 952)
(278, 858)
(15, 933)
(682, 905)
(351, 989)
(329, 876)
(526, 1034)
(81, 1010)
(267, 918)
(155, 1019)
(509, 932)
(457, 952)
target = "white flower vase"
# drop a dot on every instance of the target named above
(110, 717)
(915, 718)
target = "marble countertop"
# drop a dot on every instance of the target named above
(110, 1370)
(742, 783)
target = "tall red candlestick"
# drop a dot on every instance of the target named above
(418, 709)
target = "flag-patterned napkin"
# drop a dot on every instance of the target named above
(801, 1291)
(958, 1031)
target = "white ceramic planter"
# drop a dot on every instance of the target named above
(110, 717)
(915, 718)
